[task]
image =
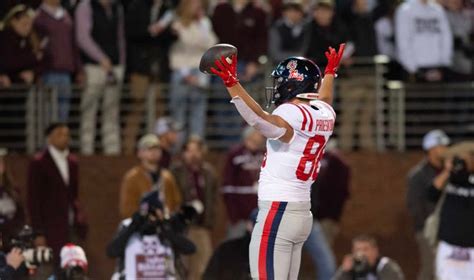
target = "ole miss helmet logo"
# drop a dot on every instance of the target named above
(293, 72)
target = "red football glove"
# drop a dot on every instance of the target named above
(227, 71)
(333, 59)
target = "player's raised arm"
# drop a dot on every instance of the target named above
(271, 126)
(326, 91)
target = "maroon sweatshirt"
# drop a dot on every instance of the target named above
(247, 30)
(332, 187)
(241, 173)
(57, 35)
(16, 55)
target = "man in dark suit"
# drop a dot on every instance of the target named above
(53, 191)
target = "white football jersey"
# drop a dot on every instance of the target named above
(289, 169)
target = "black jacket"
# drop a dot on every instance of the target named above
(420, 178)
(116, 248)
(144, 51)
(456, 219)
(230, 261)
(320, 38)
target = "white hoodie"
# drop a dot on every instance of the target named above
(423, 35)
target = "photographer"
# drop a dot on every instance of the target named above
(10, 263)
(455, 253)
(25, 260)
(147, 244)
(365, 262)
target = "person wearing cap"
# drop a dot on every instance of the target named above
(453, 188)
(420, 179)
(147, 176)
(74, 263)
(287, 34)
(167, 131)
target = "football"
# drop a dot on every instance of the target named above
(215, 52)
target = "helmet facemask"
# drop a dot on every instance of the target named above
(271, 93)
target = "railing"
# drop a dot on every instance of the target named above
(26, 111)
(402, 112)
(416, 109)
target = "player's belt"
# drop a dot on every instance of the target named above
(239, 189)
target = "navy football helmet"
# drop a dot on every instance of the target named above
(294, 77)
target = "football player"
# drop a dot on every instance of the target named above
(297, 132)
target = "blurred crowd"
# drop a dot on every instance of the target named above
(102, 44)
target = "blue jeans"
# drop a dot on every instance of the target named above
(61, 81)
(188, 104)
(321, 254)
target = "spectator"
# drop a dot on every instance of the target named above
(100, 35)
(10, 263)
(53, 182)
(149, 37)
(19, 48)
(418, 24)
(187, 96)
(148, 176)
(74, 263)
(385, 38)
(197, 181)
(231, 259)
(61, 55)
(366, 262)
(462, 27)
(6, 5)
(167, 131)
(420, 179)
(324, 30)
(19, 58)
(12, 215)
(330, 192)
(455, 184)
(287, 34)
(240, 179)
(239, 22)
(361, 29)
(147, 245)
(357, 90)
(385, 34)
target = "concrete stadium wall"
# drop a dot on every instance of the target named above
(377, 206)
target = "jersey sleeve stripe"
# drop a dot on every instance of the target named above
(310, 118)
(303, 125)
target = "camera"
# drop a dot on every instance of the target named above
(33, 256)
(459, 165)
(361, 267)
